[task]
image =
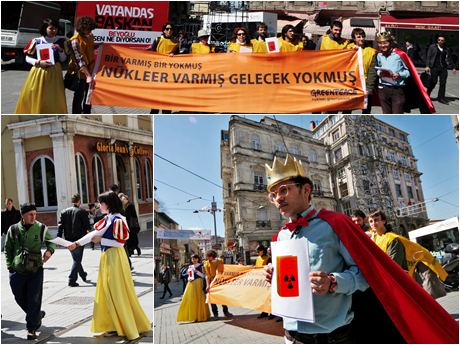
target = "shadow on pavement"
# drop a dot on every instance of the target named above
(252, 323)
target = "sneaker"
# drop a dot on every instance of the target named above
(228, 314)
(84, 277)
(73, 284)
(31, 335)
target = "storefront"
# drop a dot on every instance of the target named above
(57, 156)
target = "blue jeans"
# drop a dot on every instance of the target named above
(28, 291)
(77, 268)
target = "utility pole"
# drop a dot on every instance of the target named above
(213, 211)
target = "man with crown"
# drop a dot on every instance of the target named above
(334, 275)
(344, 261)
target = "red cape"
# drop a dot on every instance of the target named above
(418, 317)
(418, 82)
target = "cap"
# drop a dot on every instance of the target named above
(202, 33)
(27, 208)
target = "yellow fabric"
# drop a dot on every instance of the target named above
(286, 46)
(211, 268)
(415, 253)
(193, 306)
(198, 48)
(327, 43)
(43, 92)
(235, 47)
(261, 261)
(167, 45)
(259, 46)
(116, 307)
(87, 52)
(368, 55)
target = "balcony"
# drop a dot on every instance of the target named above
(260, 187)
(263, 224)
(319, 193)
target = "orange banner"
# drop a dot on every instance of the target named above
(241, 286)
(310, 81)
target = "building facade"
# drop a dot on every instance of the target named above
(47, 159)
(249, 218)
(372, 166)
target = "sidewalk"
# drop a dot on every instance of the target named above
(69, 309)
(242, 328)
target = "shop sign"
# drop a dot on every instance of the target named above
(123, 149)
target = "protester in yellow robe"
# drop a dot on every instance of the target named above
(259, 45)
(333, 38)
(202, 46)
(193, 306)
(240, 42)
(117, 310)
(289, 40)
(212, 266)
(43, 91)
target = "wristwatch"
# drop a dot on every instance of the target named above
(333, 285)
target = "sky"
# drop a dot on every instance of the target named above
(193, 142)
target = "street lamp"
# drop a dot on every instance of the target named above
(213, 209)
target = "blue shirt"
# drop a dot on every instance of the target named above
(328, 254)
(394, 63)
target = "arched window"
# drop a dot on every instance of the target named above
(43, 182)
(148, 179)
(98, 176)
(138, 180)
(82, 178)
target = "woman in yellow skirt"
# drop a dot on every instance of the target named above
(43, 91)
(116, 307)
(193, 306)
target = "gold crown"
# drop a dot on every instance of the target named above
(384, 36)
(282, 172)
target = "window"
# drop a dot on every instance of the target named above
(366, 186)
(396, 174)
(148, 179)
(82, 178)
(407, 177)
(98, 176)
(402, 137)
(391, 156)
(391, 132)
(341, 173)
(364, 169)
(262, 214)
(346, 208)
(258, 178)
(255, 142)
(44, 183)
(313, 156)
(138, 179)
(343, 188)
(410, 194)
(398, 190)
(335, 136)
(295, 150)
(418, 194)
(279, 146)
(338, 154)
(316, 185)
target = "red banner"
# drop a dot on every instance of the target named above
(132, 23)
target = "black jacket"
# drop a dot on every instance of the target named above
(9, 218)
(431, 56)
(74, 223)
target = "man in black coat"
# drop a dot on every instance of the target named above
(438, 61)
(10, 216)
(74, 224)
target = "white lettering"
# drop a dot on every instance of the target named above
(124, 11)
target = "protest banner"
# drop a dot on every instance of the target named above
(131, 23)
(310, 81)
(241, 286)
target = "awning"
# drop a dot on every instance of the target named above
(445, 23)
(281, 23)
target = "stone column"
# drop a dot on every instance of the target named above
(21, 171)
(64, 160)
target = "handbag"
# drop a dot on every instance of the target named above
(429, 281)
(71, 81)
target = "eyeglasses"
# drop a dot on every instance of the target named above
(283, 191)
(241, 34)
(167, 29)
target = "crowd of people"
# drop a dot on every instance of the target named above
(389, 71)
(113, 223)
